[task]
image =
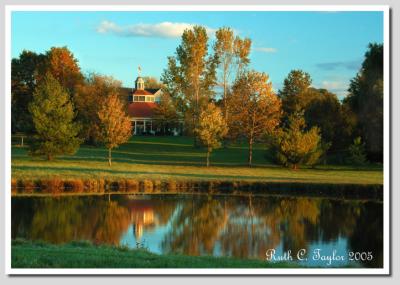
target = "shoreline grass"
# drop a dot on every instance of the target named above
(57, 186)
(29, 254)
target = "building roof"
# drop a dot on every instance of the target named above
(141, 109)
(129, 91)
(141, 92)
(153, 90)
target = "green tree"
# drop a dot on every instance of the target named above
(190, 74)
(115, 124)
(53, 117)
(295, 92)
(356, 152)
(254, 108)
(211, 128)
(324, 111)
(23, 83)
(366, 101)
(295, 145)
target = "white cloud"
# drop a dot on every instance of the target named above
(160, 30)
(335, 86)
(108, 27)
(266, 49)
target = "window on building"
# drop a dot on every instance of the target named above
(149, 98)
(139, 98)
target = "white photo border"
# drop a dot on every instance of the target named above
(209, 271)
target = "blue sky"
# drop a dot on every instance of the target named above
(328, 45)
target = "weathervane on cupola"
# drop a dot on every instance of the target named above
(139, 83)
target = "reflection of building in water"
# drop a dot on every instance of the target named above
(142, 217)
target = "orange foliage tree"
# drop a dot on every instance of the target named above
(211, 128)
(63, 66)
(95, 88)
(115, 125)
(254, 108)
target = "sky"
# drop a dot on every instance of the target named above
(330, 46)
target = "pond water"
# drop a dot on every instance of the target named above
(238, 226)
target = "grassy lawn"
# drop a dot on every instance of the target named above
(25, 254)
(168, 158)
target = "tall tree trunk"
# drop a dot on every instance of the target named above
(109, 156)
(208, 157)
(49, 157)
(250, 151)
(225, 99)
(196, 120)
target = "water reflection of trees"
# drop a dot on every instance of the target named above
(63, 219)
(242, 226)
(195, 228)
(368, 233)
(247, 226)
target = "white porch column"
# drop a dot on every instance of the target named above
(135, 128)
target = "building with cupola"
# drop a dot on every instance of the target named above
(141, 105)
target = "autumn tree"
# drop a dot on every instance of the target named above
(295, 145)
(255, 109)
(242, 51)
(211, 128)
(231, 51)
(95, 89)
(152, 82)
(166, 113)
(53, 117)
(115, 125)
(366, 101)
(190, 74)
(62, 64)
(23, 84)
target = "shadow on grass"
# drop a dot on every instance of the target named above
(172, 174)
(156, 156)
(179, 151)
(141, 159)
